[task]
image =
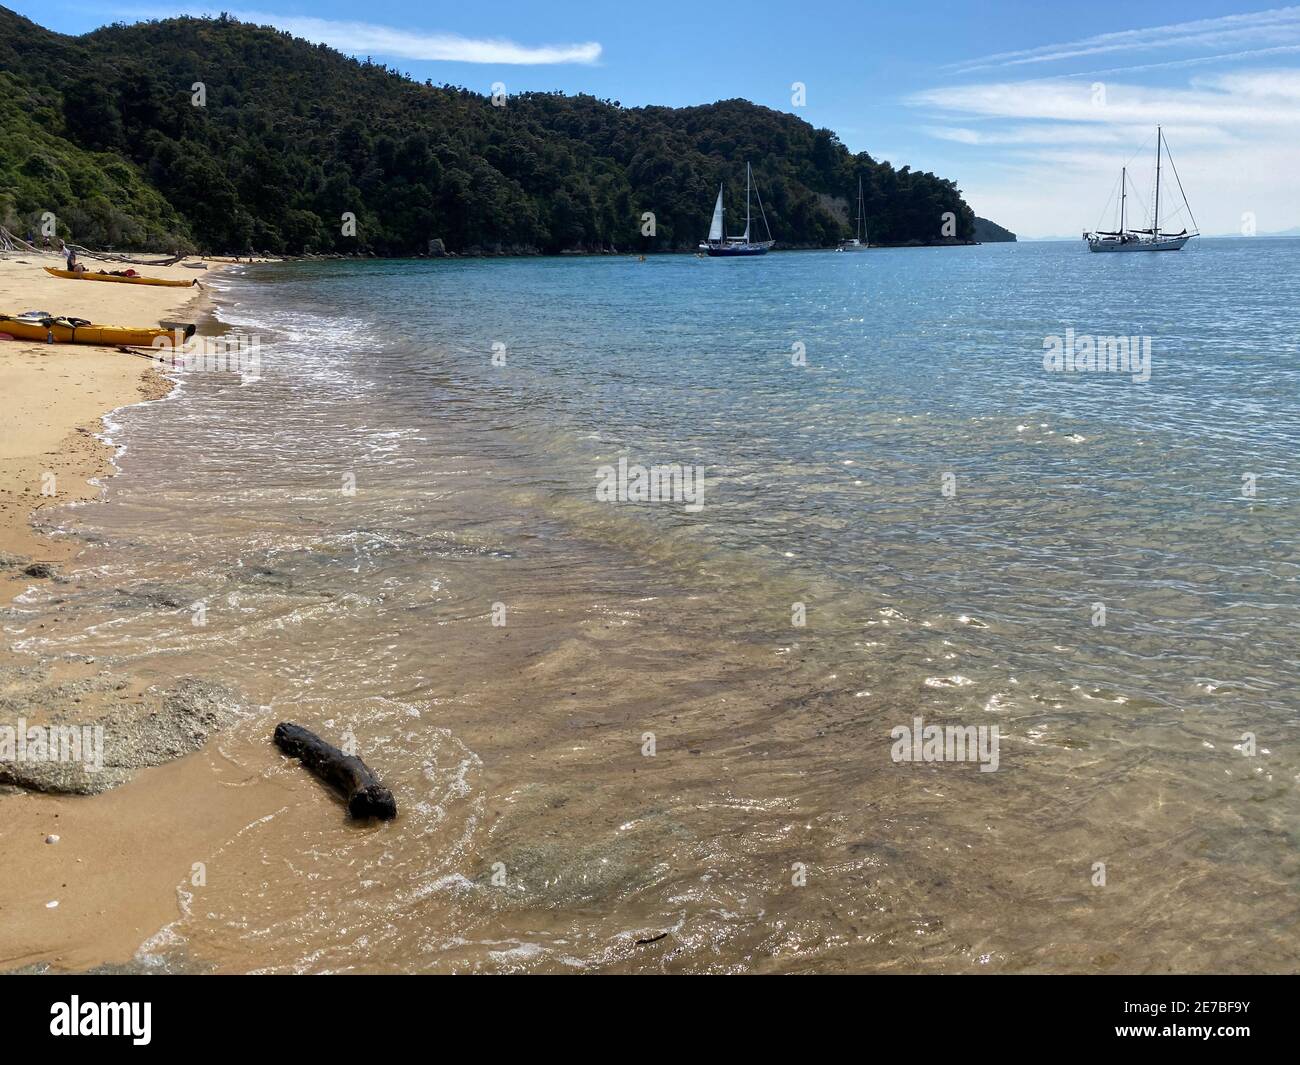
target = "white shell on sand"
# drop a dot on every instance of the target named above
(51, 839)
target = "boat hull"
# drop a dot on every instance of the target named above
(735, 251)
(61, 331)
(1165, 244)
(86, 275)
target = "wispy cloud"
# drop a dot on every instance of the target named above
(1223, 101)
(1046, 135)
(1192, 61)
(366, 38)
(1263, 29)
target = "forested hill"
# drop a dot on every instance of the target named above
(102, 130)
(987, 232)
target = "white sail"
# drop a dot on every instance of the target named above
(715, 230)
(720, 244)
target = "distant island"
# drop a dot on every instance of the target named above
(987, 232)
(216, 135)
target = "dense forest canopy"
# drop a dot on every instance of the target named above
(987, 232)
(103, 130)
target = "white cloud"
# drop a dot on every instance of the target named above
(1213, 101)
(1062, 194)
(359, 38)
(365, 38)
(1278, 85)
(1040, 156)
(1047, 134)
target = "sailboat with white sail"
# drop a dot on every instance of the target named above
(859, 240)
(718, 245)
(1152, 238)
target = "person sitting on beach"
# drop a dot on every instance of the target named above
(74, 266)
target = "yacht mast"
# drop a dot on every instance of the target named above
(747, 181)
(1155, 220)
(1123, 191)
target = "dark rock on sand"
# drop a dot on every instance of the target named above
(266, 575)
(41, 570)
(155, 596)
(27, 567)
(179, 724)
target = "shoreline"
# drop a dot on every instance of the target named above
(121, 852)
(60, 425)
(586, 253)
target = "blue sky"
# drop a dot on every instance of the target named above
(1030, 107)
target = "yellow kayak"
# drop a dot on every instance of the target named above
(78, 331)
(86, 275)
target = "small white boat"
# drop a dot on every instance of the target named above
(1153, 238)
(859, 241)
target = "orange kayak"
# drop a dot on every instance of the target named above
(47, 328)
(86, 275)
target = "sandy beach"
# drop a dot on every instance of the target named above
(57, 393)
(120, 854)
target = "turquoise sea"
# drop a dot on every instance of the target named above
(1068, 488)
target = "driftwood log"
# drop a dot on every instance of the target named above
(111, 257)
(366, 796)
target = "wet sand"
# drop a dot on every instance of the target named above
(118, 858)
(57, 394)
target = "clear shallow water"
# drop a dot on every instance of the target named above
(517, 750)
